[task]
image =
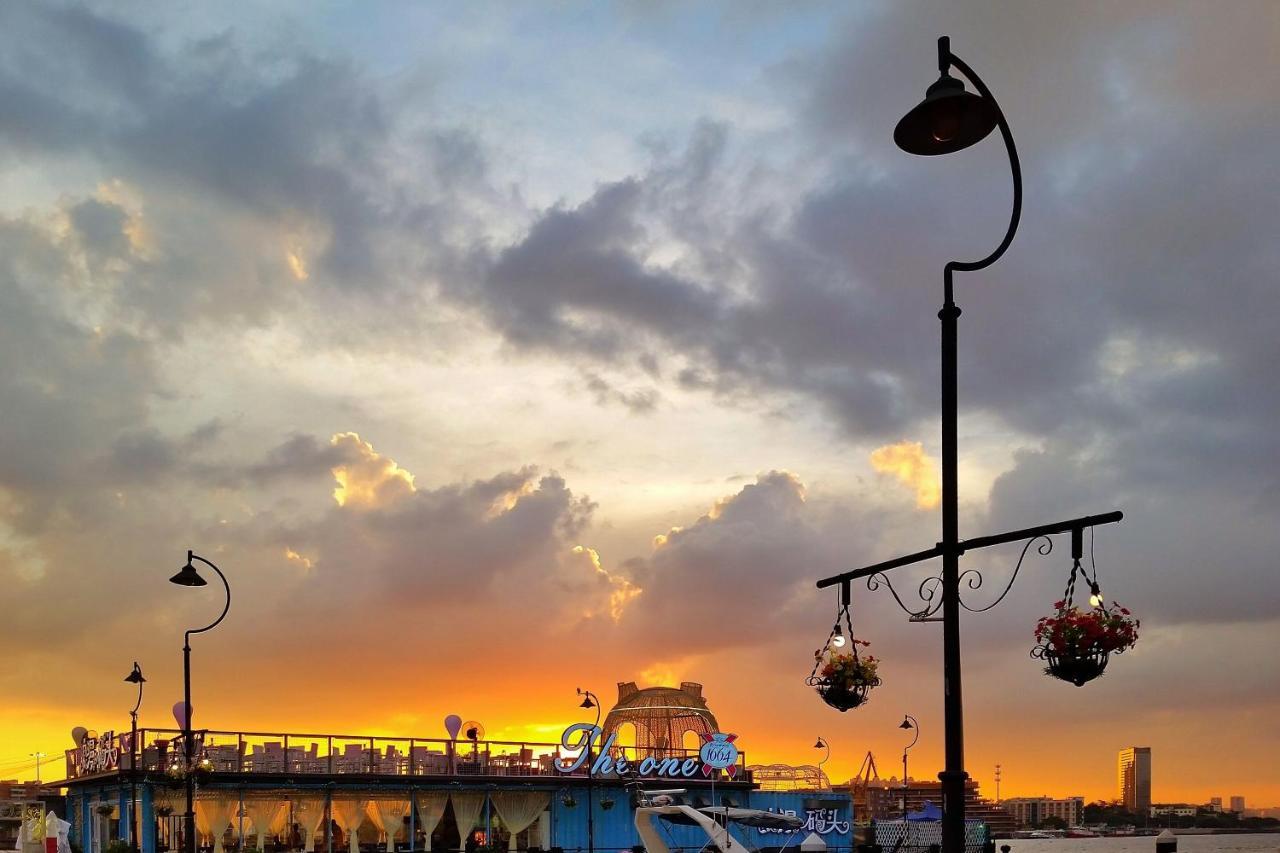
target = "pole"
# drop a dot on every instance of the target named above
(189, 817)
(953, 776)
(133, 774)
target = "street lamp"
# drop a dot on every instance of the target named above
(822, 744)
(590, 701)
(949, 119)
(37, 756)
(188, 576)
(909, 723)
(134, 677)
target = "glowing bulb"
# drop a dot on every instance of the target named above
(838, 641)
(1095, 600)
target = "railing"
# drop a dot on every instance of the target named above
(160, 750)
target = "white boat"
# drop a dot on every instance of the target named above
(715, 821)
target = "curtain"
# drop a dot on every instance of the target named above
(519, 809)
(466, 810)
(430, 810)
(309, 814)
(262, 813)
(213, 816)
(350, 814)
(390, 815)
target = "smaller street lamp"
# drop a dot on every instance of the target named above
(134, 677)
(589, 701)
(908, 723)
(822, 744)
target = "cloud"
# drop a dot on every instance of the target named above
(907, 463)
(368, 480)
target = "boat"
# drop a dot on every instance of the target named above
(1081, 832)
(655, 808)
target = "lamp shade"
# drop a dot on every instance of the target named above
(587, 703)
(948, 119)
(135, 677)
(819, 744)
(188, 576)
(906, 724)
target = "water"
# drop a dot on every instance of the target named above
(1261, 843)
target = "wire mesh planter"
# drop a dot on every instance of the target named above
(843, 679)
(841, 693)
(1073, 665)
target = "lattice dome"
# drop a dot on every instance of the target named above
(661, 715)
(787, 777)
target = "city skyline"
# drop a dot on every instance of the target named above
(494, 352)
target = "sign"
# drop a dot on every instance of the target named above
(821, 821)
(97, 754)
(822, 815)
(717, 753)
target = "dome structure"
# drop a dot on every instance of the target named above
(661, 716)
(787, 777)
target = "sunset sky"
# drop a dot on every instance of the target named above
(494, 350)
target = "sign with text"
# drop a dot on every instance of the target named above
(718, 753)
(832, 816)
(98, 754)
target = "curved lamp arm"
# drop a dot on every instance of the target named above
(826, 757)
(947, 58)
(193, 556)
(138, 704)
(916, 726)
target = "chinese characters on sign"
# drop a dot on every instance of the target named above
(98, 754)
(821, 821)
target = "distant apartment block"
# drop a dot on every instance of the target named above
(1215, 804)
(1030, 812)
(1135, 779)
(1237, 804)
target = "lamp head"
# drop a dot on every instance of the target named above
(188, 576)
(135, 677)
(837, 637)
(820, 744)
(587, 703)
(948, 119)
(906, 724)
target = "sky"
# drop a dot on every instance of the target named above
(495, 350)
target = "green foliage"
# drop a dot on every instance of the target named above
(119, 846)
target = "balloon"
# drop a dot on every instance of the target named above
(78, 733)
(182, 713)
(453, 725)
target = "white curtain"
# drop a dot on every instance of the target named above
(309, 815)
(262, 813)
(390, 815)
(518, 810)
(466, 810)
(213, 816)
(350, 815)
(430, 810)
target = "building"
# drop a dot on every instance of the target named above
(335, 793)
(17, 800)
(1135, 779)
(1030, 812)
(1237, 805)
(1215, 804)
(885, 802)
(1173, 810)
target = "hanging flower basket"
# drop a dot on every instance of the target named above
(1076, 644)
(606, 804)
(844, 679)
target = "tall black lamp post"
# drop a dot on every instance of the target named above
(908, 722)
(134, 677)
(188, 576)
(949, 119)
(590, 701)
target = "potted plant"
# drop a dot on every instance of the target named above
(568, 801)
(844, 679)
(606, 804)
(1076, 644)
(164, 811)
(105, 810)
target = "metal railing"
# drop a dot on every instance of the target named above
(161, 750)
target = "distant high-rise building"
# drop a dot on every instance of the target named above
(1135, 779)
(1215, 803)
(1030, 812)
(1237, 804)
